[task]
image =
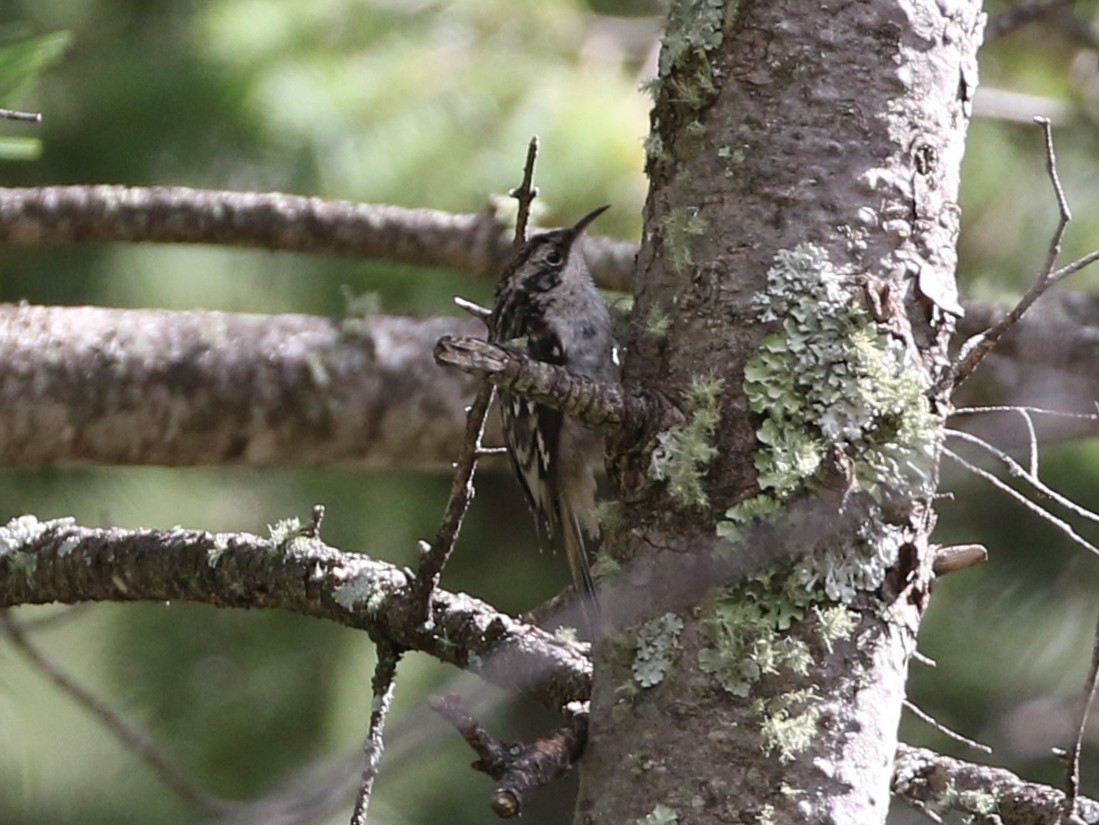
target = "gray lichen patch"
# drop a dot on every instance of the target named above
(827, 381)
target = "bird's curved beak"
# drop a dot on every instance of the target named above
(577, 228)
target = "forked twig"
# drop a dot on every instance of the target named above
(1063, 526)
(977, 348)
(132, 737)
(1018, 471)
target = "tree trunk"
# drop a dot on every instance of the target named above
(794, 298)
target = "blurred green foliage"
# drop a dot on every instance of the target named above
(431, 103)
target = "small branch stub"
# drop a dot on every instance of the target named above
(517, 767)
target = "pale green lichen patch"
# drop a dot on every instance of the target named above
(283, 531)
(288, 537)
(694, 27)
(220, 545)
(680, 227)
(660, 815)
(746, 623)
(363, 589)
(834, 623)
(789, 724)
(22, 531)
(683, 452)
(657, 646)
(829, 380)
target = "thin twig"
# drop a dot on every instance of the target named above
(473, 308)
(435, 556)
(1032, 442)
(383, 683)
(132, 737)
(1072, 779)
(1019, 471)
(1064, 527)
(924, 659)
(26, 117)
(927, 718)
(1016, 408)
(977, 348)
(525, 194)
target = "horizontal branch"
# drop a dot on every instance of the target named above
(478, 243)
(58, 561)
(117, 387)
(107, 386)
(980, 793)
(595, 403)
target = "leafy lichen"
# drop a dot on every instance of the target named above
(746, 623)
(660, 815)
(657, 642)
(829, 380)
(694, 27)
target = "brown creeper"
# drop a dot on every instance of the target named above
(548, 306)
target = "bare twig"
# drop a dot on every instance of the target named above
(924, 659)
(1062, 526)
(517, 767)
(1029, 410)
(385, 672)
(1072, 778)
(1018, 471)
(525, 194)
(435, 556)
(474, 309)
(132, 737)
(928, 719)
(977, 348)
(26, 117)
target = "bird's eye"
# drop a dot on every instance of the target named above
(553, 257)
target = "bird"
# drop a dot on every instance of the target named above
(547, 306)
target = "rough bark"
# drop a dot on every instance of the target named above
(59, 561)
(478, 243)
(839, 125)
(106, 386)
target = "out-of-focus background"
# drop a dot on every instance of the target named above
(431, 104)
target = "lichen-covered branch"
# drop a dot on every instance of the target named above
(144, 387)
(59, 561)
(108, 386)
(477, 243)
(606, 406)
(985, 795)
